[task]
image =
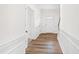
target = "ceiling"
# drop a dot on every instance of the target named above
(44, 6)
(47, 6)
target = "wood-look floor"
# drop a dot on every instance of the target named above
(46, 43)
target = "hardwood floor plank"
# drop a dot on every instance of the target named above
(46, 43)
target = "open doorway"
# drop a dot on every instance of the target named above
(43, 28)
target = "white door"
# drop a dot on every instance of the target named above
(50, 25)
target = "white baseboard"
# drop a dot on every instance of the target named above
(68, 43)
(15, 46)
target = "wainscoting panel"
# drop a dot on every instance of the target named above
(68, 43)
(15, 46)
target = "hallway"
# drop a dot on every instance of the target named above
(46, 43)
(32, 28)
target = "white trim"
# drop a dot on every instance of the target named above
(5, 42)
(10, 46)
(70, 39)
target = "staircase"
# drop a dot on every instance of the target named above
(46, 43)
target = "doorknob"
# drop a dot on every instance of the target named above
(26, 31)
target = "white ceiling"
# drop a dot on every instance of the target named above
(47, 6)
(44, 6)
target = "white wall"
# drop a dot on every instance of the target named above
(69, 28)
(69, 20)
(49, 20)
(12, 24)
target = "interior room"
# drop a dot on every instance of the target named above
(39, 28)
